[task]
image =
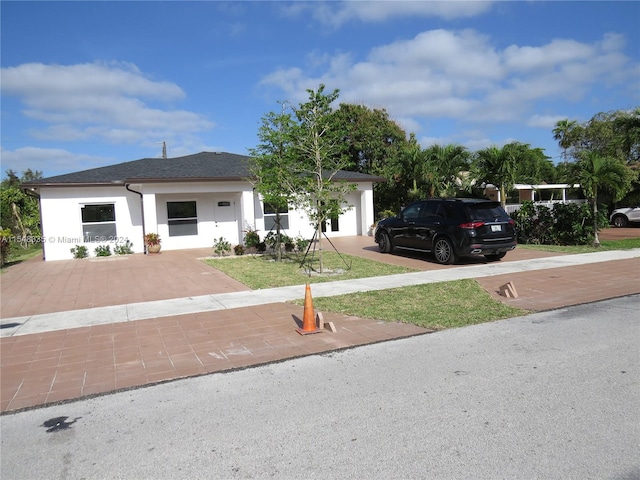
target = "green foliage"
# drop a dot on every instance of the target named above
(5, 245)
(103, 251)
(564, 224)
(18, 211)
(126, 249)
(301, 244)
(251, 239)
(80, 251)
(272, 240)
(238, 249)
(221, 246)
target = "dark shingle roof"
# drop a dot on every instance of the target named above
(203, 166)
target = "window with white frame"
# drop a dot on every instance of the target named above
(98, 222)
(270, 217)
(182, 218)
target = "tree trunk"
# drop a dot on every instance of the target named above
(278, 246)
(596, 240)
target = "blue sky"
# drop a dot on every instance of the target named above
(87, 84)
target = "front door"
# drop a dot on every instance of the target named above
(225, 221)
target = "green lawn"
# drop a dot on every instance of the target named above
(625, 244)
(435, 306)
(257, 271)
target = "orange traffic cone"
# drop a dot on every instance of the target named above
(308, 318)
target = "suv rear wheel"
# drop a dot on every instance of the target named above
(443, 251)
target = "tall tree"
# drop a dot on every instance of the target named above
(595, 172)
(564, 133)
(272, 163)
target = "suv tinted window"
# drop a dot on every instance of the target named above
(412, 211)
(487, 211)
(430, 210)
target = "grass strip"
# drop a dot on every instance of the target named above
(261, 271)
(436, 306)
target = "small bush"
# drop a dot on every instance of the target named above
(5, 245)
(103, 251)
(238, 250)
(125, 249)
(302, 244)
(80, 251)
(221, 246)
(251, 238)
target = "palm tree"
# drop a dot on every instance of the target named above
(594, 173)
(447, 165)
(499, 166)
(564, 134)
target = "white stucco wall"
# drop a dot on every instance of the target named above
(62, 221)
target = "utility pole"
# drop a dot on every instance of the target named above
(164, 149)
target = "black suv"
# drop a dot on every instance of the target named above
(450, 228)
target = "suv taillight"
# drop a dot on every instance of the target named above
(472, 225)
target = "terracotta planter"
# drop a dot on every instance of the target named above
(153, 248)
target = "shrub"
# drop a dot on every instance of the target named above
(5, 245)
(302, 244)
(271, 240)
(103, 251)
(80, 251)
(221, 246)
(251, 238)
(238, 250)
(125, 249)
(564, 224)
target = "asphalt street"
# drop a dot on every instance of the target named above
(552, 395)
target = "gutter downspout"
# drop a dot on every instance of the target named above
(32, 194)
(144, 243)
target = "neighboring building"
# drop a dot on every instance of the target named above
(189, 201)
(545, 194)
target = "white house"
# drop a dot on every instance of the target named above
(189, 201)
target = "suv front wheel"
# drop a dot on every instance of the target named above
(443, 251)
(384, 244)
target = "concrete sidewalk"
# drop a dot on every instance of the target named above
(239, 299)
(73, 329)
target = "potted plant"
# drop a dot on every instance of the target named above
(152, 241)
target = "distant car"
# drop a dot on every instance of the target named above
(450, 229)
(621, 217)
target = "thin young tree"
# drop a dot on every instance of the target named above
(321, 194)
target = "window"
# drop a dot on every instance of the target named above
(182, 218)
(270, 212)
(98, 222)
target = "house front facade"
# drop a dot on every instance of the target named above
(189, 201)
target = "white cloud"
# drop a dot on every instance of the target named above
(547, 122)
(48, 160)
(462, 75)
(109, 102)
(335, 14)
